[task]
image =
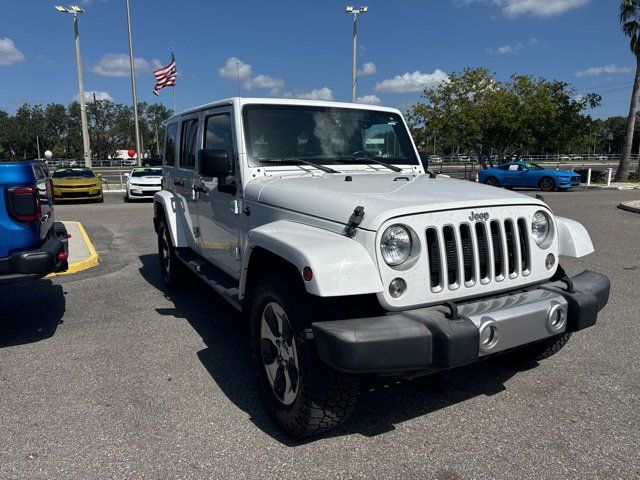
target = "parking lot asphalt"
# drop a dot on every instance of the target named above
(104, 374)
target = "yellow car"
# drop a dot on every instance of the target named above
(76, 184)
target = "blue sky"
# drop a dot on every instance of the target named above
(303, 48)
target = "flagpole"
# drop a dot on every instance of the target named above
(174, 99)
(133, 87)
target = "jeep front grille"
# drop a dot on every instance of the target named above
(464, 255)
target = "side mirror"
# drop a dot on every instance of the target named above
(126, 177)
(213, 163)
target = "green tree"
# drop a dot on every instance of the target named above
(155, 116)
(630, 21)
(483, 115)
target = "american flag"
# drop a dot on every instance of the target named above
(165, 76)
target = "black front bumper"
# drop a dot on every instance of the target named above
(428, 339)
(37, 262)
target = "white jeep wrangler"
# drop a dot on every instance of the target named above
(317, 221)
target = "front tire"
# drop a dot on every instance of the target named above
(303, 395)
(492, 181)
(547, 184)
(174, 272)
(538, 351)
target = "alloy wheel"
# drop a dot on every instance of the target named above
(278, 351)
(547, 185)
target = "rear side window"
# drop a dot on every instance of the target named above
(188, 143)
(170, 144)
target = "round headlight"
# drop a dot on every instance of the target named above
(395, 245)
(540, 227)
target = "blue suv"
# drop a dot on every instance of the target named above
(32, 244)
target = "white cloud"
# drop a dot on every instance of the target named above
(513, 49)
(369, 100)
(539, 8)
(264, 81)
(506, 49)
(411, 82)
(594, 71)
(323, 93)
(236, 70)
(117, 65)
(9, 53)
(367, 69)
(88, 96)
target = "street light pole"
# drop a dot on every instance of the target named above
(354, 75)
(133, 87)
(75, 11)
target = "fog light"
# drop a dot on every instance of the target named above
(488, 335)
(550, 261)
(556, 318)
(397, 287)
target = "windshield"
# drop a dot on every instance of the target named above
(533, 166)
(73, 172)
(144, 172)
(325, 135)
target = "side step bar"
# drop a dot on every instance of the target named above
(223, 284)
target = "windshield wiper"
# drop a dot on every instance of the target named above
(285, 161)
(371, 160)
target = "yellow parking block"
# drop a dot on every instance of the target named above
(91, 261)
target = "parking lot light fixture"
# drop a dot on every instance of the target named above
(75, 10)
(354, 77)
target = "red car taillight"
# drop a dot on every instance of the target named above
(23, 203)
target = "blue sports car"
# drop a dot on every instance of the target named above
(529, 175)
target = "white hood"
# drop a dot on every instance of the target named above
(382, 195)
(146, 180)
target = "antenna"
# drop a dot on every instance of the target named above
(238, 76)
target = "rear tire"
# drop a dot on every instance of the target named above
(174, 272)
(492, 181)
(304, 396)
(547, 184)
(538, 351)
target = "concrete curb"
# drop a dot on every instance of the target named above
(78, 266)
(604, 187)
(628, 208)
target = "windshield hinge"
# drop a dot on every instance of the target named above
(354, 222)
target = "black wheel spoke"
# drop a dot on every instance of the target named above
(280, 383)
(272, 321)
(279, 356)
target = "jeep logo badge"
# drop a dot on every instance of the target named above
(480, 217)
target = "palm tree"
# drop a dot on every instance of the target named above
(630, 21)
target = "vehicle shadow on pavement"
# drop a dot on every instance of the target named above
(228, 360)
(30, 311)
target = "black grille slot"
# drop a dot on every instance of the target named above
(497, 248)
(483, 249)
(524, 244)
(509, 231)
(451, 252)
(434, 257)
(467, 251)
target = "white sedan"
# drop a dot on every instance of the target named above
(143, 182)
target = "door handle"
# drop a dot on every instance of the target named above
(177, 181)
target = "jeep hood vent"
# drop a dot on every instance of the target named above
(331, 198)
